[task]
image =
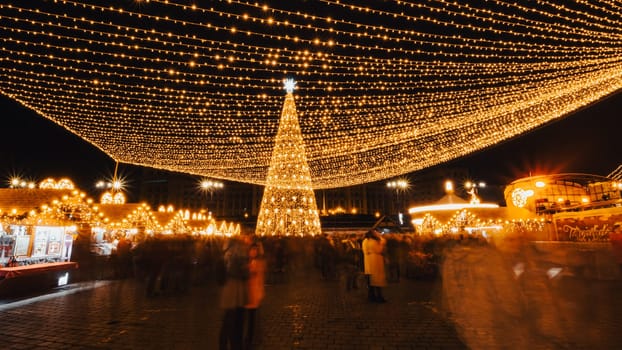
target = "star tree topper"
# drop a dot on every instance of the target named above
(290, 85)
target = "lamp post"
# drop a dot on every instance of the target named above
(472, 188)
(16, 182)
(114, 188)
(399, 186)
(208, 185)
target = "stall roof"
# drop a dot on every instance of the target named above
(118, 212)
(24, 200)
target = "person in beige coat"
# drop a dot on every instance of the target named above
(373, 255)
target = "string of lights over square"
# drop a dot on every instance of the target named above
(383, 87)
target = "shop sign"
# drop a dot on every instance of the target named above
(585, 228)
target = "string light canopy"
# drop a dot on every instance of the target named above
(384, 88)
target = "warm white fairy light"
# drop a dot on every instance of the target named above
(62, 184)
(288, 206)
(385, 90)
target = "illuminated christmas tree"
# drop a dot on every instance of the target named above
(288, 206)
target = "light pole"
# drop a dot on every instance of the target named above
(472, 189)
(400, 186)
(113, 189)
(207, 185)
(210, 186)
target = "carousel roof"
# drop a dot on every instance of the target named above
(451, 203)
(486, 214)
(451, 198)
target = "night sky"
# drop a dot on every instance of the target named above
(587, 141)
(34, 148)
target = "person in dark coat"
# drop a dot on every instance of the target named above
(234, 295)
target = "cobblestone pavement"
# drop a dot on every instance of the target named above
(303, 313)
(306, 312)
(527, 301)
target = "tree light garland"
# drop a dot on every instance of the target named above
(385, 89)
(288, 205)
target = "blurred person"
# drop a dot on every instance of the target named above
(393, 258)
(615, 238)
(280, 260)
(352, 261)
(234, 295)
(124, 258)
(256, 292)
(373, 249)
(153, 255)
(113, 259)
(327, 257)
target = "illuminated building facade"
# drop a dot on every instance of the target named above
(563, 192)
(576, 207)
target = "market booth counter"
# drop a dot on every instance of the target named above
(26, 279)
(38, 226)
(34, 259)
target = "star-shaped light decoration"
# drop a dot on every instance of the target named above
(290, 85)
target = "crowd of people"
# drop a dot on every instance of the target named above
(173, 263)
(241, 265)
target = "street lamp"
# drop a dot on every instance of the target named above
(472, 189)
(207, 185)
(472, 185)
(114, 188)
(16, 182)
(400, 186)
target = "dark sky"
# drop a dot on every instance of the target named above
(34, 148)
(587, 141)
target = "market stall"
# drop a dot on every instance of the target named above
(37, 231)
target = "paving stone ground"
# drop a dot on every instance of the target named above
(304, 312)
